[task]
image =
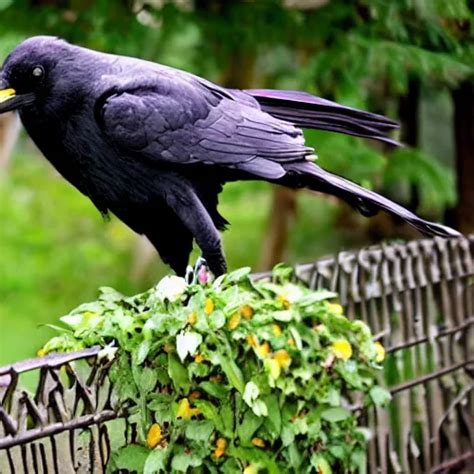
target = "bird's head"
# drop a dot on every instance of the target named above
(29, 71)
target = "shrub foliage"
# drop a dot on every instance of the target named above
(234, 375)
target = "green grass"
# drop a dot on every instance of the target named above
(56, 250)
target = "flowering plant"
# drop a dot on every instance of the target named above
(234, 375)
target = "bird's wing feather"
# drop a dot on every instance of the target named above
(182, 121)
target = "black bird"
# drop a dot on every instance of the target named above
(154, 145)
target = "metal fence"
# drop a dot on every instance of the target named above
(418, 298)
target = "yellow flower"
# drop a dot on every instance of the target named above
(198, 358)
(342, 349)
(234, 321)
(41, 352)
(221, 444)
(252, 340)
(320, 327)
(192, 318)
(251, 469)
(283, 358)
(276, 330)
(209, 306)
(154, 436)
(336, 308)
(185, 411)
(284, 301)
(246, 311)
(291, 341)
(380, 350)
(258, 442)
(263, 350)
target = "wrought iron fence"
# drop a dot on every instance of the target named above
(418, 298)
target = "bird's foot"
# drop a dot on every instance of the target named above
(200, 273)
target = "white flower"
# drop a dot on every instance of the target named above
(292, 292)
(171, 288)
(187, 343)
(251, 393)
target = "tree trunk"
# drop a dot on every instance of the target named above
(275, 241)
(408, 111)
(463, 98)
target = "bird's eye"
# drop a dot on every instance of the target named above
(37, 72)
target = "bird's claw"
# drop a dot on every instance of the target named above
(199, 274)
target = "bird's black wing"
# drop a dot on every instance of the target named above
(178, 119)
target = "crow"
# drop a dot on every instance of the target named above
(154, 145)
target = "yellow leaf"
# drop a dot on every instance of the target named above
(284, 301)
(251, 469)
(192, 318)
(342, 349)
(336, 308)
(209, 306)
(273, 367)
(258, 442)
(246, 311)
(185, 411)
(380, 352)
(252, 340)
(234, 321)
(263, 350)
(154, 436)
(276, 330)
(283, 358)
(221, 444)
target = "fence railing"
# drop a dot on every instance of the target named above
(418, 298)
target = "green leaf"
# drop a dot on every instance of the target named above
(178, 374)
(315, 297)
(237, 275)
(142, 352)
(199, 430)
(287, 435)
(273, 422)
(214, 389)
(335, 415)
(182, 461)
(380, 396)
(131, 458)
(250, 424)
(156, 461)
(148, 379)
(210, 412)
(320, 463)
(227, 415)
(232, 372)
(216, 320)
(257, 456)
(359, 458)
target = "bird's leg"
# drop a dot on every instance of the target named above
(194, 216)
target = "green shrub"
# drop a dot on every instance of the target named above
(234, 375)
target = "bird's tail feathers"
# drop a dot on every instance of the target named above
(308, 111)
(367, 202)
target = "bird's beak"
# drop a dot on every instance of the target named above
(10, 100)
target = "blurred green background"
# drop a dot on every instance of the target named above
(412, 60)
